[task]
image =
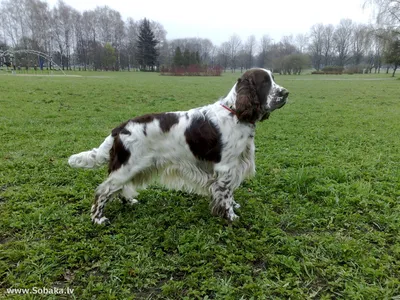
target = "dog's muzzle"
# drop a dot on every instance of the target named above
(281, 99)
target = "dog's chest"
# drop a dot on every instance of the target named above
(239, 143)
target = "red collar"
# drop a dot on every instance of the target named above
(228, 108)
(233, 111)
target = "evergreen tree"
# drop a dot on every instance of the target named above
(186, 58)
(178, 58)
(192, 58)
(146, 46)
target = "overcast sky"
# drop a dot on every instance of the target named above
(219, 19)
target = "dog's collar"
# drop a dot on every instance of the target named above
(229, 109)
(233, 112)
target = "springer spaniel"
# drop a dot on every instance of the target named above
(206, 150)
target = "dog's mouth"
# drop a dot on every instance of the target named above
(281, 101)
(276, 104)
(265, 116)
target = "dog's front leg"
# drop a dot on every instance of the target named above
(222, 203)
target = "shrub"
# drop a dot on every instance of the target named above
(330, 70)
(333, 69)
(326, 73)
(354, 70)
(191, 70)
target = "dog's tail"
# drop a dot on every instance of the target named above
(93, 158)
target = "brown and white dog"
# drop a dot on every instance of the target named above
(205, 150)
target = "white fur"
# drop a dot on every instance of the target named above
(93, 158)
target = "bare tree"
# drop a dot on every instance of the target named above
(3, 32)
(380, 38)
(37, 21)
(62, 28)
(234, 46)
(159, 31)
(90, 33)
(280, 54)
(107, 20)
(132, 30)
(242, 59)
(342, 40)
(224, 54)
(359, 42)
(387, 13)
(206, 49)
(372, 50)
(301, 42)
(288, 43)
(327, 44)
(264, 47)
(213, 55)
(14, 20)
(161, 36)
(80, 50)
(118, 34)
(111, 30)
(249, 49)
(316, 44)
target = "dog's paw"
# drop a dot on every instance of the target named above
(231, 216)
(127, 201)
(131, 201)
(101, 221)
(236, 205)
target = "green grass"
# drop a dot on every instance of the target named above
(320, 220)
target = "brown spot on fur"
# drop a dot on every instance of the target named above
(167, 120)
(119, 129)
(125, 131)
(204, 140)
(143, 119)
(119, 155)
(145, 129)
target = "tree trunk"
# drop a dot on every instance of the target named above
(394, 70)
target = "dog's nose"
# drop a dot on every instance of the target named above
(284, 93)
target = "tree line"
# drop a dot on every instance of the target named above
(100, 39)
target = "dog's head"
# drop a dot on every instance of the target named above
(258, 95)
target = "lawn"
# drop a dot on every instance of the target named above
(320, 220)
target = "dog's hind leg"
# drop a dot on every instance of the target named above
(103, 193)
(114, 183)
(120, 179)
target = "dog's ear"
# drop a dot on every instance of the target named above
(248, 108)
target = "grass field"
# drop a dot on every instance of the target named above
(321, 219)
